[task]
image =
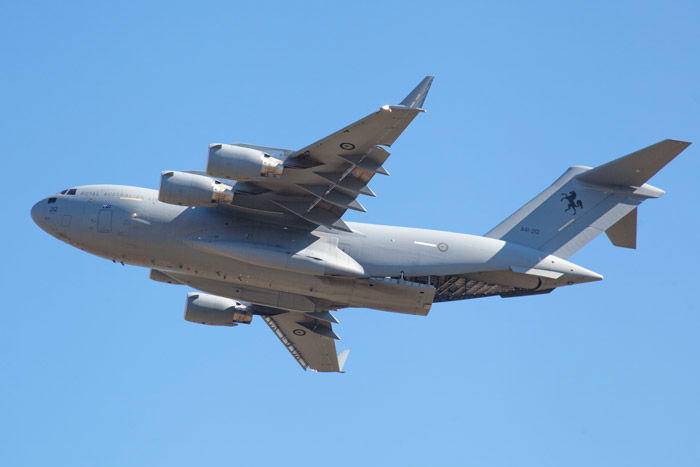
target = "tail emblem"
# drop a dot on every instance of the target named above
(573, 202)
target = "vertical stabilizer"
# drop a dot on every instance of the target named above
(585, 202)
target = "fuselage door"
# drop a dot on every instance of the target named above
(104, 220)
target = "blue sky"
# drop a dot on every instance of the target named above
(98, 366)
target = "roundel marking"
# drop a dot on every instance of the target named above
(442, 247)
(299, 332)
(347, 146)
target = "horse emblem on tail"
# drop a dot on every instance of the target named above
(573, 202)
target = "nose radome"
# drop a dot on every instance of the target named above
(35, 213)
(39, 211)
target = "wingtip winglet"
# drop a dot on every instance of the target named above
(416, 98)
(685, 144)
(342, 358)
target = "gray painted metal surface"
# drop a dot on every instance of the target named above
(277, 243)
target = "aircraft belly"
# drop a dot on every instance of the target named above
(267, 297)
(395, 296)
(236, 278)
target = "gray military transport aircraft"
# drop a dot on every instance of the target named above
(260, 232)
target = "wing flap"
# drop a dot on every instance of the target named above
(315, 214)
(346, 182)
(371, 161)
(335, 197)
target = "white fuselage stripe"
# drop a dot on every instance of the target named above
(425, 244)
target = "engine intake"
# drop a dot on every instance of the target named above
(215, 311)
(241, 163)
(187, 189)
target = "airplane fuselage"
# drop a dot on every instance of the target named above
(218, 251)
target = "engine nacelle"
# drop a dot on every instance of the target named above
(241, 163)
(187, 189)
(215, 311)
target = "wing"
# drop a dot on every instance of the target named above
(323, 180)
(309, 337)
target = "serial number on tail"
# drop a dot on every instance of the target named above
(531, 230)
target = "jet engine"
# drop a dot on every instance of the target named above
(188, 189)
(215, 311)
(241, 163)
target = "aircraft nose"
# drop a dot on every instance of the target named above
(35, 213)
(40, 213)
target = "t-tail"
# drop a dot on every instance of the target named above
(585, 202)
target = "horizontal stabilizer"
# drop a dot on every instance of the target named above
(624, 232)
(636, 168)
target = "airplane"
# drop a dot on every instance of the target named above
(260, 232)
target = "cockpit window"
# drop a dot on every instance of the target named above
(71, 191)
(63, 192)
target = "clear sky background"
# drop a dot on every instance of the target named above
(97, 366)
